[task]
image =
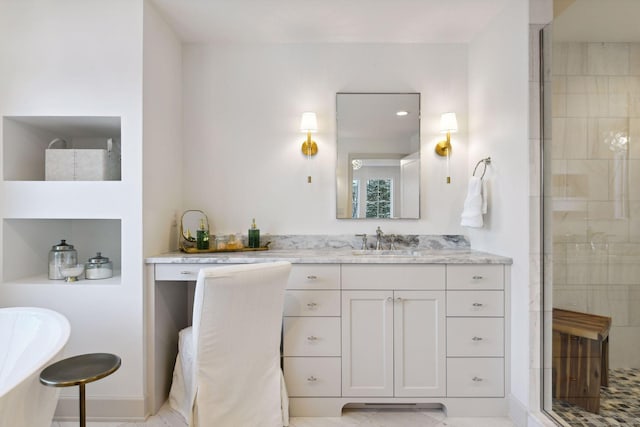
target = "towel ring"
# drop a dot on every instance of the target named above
(485, 162)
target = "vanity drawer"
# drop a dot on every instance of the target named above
(475, 303)
(476, 337)
(311, 336)
(475, 276)
(314, 276)
(393, 276)
(312, 376)
(469, 377)
(312, 303)
(178, 271)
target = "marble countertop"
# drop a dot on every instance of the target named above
(335, 256)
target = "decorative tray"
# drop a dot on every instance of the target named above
(205, 251)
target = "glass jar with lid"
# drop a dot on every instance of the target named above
(98, 267)
(60, 256)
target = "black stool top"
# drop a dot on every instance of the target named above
(81, 369)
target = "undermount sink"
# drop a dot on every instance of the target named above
(387, 252)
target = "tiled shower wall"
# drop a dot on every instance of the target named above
(596, 187)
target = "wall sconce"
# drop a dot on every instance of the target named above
(448, 124)
(309, 124)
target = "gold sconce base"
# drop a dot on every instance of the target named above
(309, 148)
(443, 148)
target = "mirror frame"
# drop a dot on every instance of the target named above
(377, 155)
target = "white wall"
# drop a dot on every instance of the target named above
(242, 108)
(84, 58)
(162, 127)
(498, 127)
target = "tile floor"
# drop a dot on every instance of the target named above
(618, 403)
(350, 418)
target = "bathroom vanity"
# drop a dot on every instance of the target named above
(423, 327)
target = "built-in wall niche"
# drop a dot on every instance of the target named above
(25, 140)
(27, 242)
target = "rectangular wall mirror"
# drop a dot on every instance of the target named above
(378, 145)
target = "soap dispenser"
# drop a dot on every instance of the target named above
(202, 236)
(254, 235)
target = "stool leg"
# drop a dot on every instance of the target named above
(83, 413)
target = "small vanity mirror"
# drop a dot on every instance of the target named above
(190, 224)
(378, 145)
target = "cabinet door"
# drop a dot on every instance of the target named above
(419, 343)
(367, 343)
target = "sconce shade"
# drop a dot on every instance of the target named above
(448, 123)
(309, 122)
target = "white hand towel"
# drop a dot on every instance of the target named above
(474, 204)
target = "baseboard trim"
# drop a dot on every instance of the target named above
(101, 409)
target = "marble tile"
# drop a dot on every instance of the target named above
(602, 133)
(350, 418)
(570, 299)
(623, 345)
(607, 58)
(559, 85)
(611, 301)
(589, 179)
(577, 105)
(587, 84)
(619, 105)
(569, 59)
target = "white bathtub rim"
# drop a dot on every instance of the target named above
(52, 353)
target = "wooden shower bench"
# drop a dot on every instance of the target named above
(580, 357)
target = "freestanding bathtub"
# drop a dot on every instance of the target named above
(30, 339)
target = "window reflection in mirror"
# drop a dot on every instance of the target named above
(378, 165)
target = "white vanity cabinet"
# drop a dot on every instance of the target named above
(393, 340)
(475, 331)
(393, 343)
(388, 333)
(311, 331)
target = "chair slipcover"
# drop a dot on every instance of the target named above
(227, 372)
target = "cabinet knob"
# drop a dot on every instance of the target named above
(398, 299)
(477, 277)
(476, 379)
(477, 304)
(389, 299)
(312, 305)
(312, 338)
(312, 379)
(312, 277)
(477, 338)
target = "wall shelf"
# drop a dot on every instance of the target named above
(26, 138)
(26, 245)
(43, 280)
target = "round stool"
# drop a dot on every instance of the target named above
(80, 370)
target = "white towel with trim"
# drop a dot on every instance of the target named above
(475, 204)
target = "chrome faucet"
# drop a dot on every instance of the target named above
(364, 241)
(378, 239)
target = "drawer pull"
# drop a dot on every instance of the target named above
(477, 338)
(186, 272)
(398, 299)
(477, 277)
(312, 305)
(312, 338)
(477, 304)
(312, 379)
(312, 277)
(477, 379)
